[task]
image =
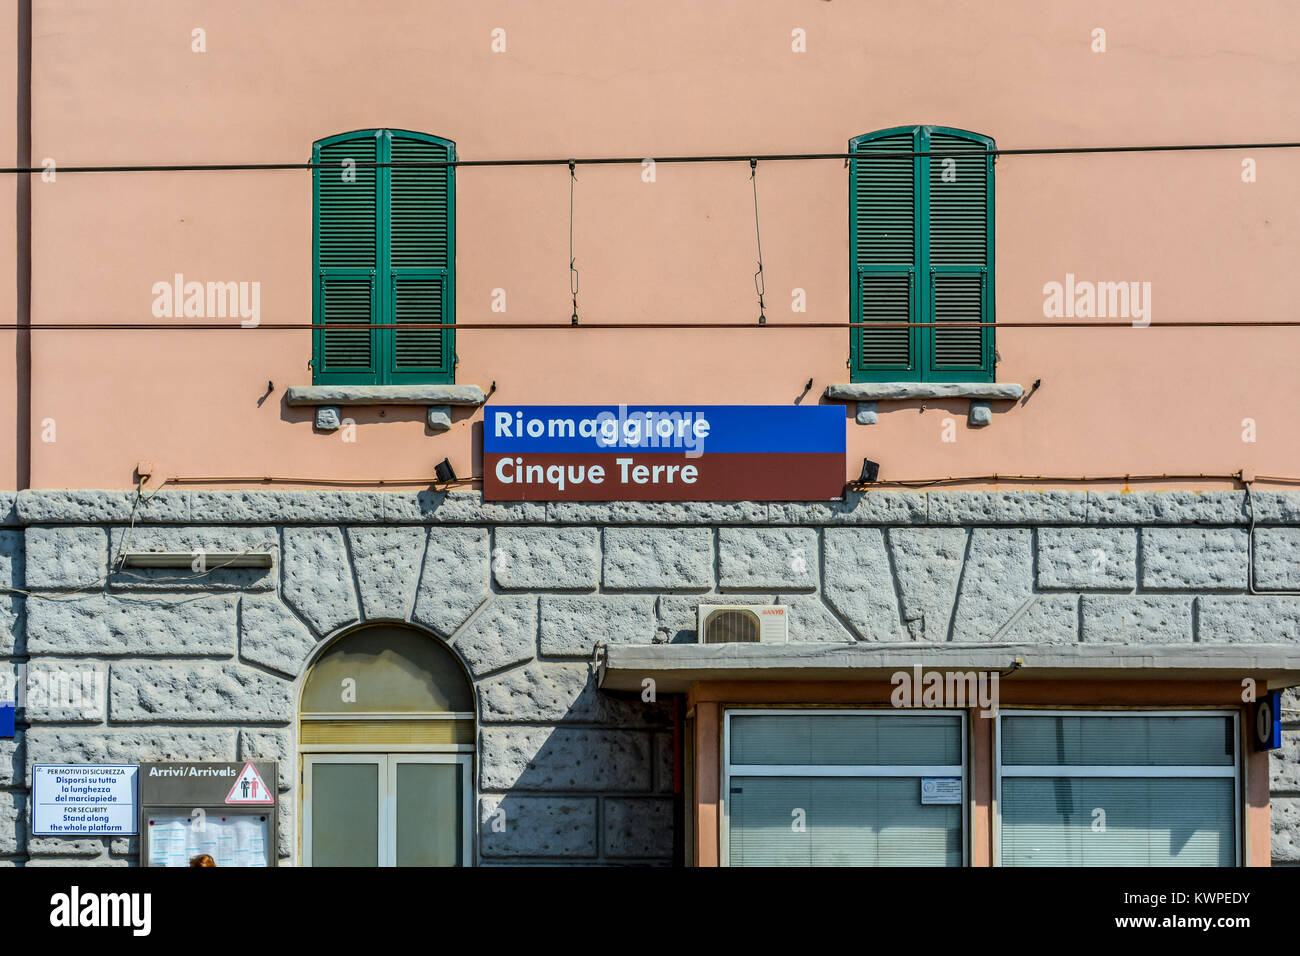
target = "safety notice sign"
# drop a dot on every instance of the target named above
(84, 800)
(249, 788)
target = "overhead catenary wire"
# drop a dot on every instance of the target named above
(638, 160)
(545, 326)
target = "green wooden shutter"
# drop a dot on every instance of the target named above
(421, 260)
(345, 253)
(921, 248)
(884, 243)
(960, 256)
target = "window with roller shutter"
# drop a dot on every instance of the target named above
(921, 251)
(383, 255)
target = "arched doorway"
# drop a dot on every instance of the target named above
(386, 735)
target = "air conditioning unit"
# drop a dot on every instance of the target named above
(743, 624)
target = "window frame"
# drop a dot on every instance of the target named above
(384, 276)
(922, 274)
(1236, 771)
(728, 770)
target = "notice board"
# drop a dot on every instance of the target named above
(225, 810)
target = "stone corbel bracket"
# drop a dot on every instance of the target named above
(981, 394)
(438, 398)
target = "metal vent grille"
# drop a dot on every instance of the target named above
(731, 626)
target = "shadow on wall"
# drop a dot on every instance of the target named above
(596, 787)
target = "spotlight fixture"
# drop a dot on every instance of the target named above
(870, 470)
(444, 472)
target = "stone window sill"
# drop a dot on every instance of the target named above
(868, 394)
(438, 398)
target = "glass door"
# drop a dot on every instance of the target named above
(401, 809)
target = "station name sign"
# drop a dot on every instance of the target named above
(663, 453)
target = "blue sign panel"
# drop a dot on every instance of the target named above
(6, 720)
(663, 453)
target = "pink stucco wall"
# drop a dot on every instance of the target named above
(13, 398)
(119, 84)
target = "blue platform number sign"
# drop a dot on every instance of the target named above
(1268, 721)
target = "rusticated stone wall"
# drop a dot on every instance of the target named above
(178, 666)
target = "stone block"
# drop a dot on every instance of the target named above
(12, 606)
(318, 578)
(857, 507)
(13, 823)
(549, 758)
(657, 512)
(652, 558)
(1006, 507)
(454, 581)
(1194, 558)
(66, 846)
(1136, 619)
(66, 557)
(1277, 558)
(638, 828)
(270, 635)
(768, 558)
(927, 565)
(572, 624)
(68, 692)
(997, 583)
(502, 634)
(1087, 559)
(1166, 507)
(1247, 619)
(1047, 619)
(867, 413)
(109, 625)
(1285, 817)
(518, 826)
(1284, 764)
(980, 414)
(12, 771)
(98, 507)
(387, 564)
(457, 507)
(555, 691)
(546, 557)
(157, 692)
(859, 583)
(287, 507)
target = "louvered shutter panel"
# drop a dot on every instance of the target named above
(959, 257)
(421, 259)
(883, 237)
(346, 253)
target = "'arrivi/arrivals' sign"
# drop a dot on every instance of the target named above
(663, 453)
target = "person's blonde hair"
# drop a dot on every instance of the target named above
(203, 860)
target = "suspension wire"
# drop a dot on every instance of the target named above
(629, 160)
(760, 283)
(543, 326)
(573, 270)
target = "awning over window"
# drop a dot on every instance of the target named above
(675, 667)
